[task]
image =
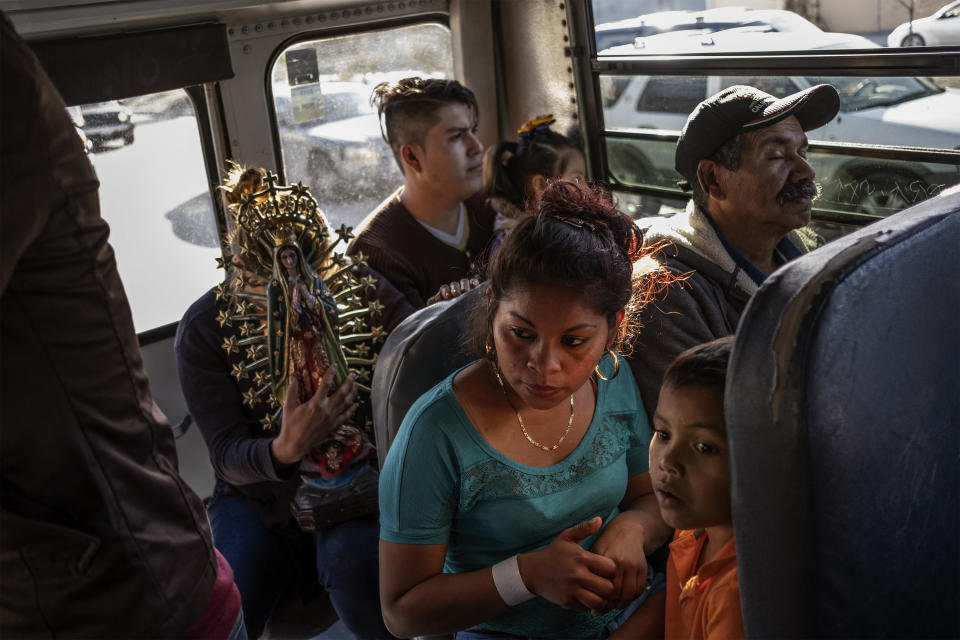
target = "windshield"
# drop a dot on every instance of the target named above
(866, 93)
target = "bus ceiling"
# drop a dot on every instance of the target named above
(44, 19)
(113, 40)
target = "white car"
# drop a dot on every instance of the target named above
(611, 34)
(338, 148)
(746, 38)
(942, 28)
(76, 116)
(107, 122)
(898, 111)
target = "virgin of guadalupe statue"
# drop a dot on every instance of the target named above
(297, 309)
(302, 315)
(304, 343)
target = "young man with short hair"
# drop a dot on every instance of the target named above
(426, 238)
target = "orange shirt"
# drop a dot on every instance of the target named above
(704, 604)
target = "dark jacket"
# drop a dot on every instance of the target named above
(413, 260)
(99, 536)
(705, 306)
(238, 443)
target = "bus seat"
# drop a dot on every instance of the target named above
(420, 352)
(843, 415)
(193, 459)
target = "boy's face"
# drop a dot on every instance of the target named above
(688, 458)
(451, 159)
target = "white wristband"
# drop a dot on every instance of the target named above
(506, 577)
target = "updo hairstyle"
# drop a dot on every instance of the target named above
(577, 240)
(241, 181)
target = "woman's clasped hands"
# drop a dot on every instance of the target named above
(568, 575)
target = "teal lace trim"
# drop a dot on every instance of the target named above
(494, 479)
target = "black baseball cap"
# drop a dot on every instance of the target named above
(741, 108)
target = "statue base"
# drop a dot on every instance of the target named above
(317, 507)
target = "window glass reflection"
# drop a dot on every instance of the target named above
(154, 194)
(330, 136)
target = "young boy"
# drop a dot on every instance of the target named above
(690, 472)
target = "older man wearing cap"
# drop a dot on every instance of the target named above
(744, 154)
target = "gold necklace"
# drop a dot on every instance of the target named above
(503, 387)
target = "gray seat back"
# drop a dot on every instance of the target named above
(420, 352)
(843, 412)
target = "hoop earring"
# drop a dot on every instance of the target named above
(489, 349)
(616, 366)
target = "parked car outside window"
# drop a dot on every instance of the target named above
(76, 116)
(633, 30)
(107, 122)
(339, 148)
(896, 111)
(942, 28)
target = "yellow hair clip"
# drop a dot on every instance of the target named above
(537, 124)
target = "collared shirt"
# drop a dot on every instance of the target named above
(784, 252)
(702, 603)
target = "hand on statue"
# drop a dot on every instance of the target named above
(567, 574)
(306, 425)
(454, 289)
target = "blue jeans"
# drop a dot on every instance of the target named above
(265, 564)
(239, 631)
(655, 582)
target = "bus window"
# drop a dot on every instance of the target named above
(690, 25)
(888, 111)
(154, 194)
(330, 136)
(661, 94)
(628, 28)
(894, 143)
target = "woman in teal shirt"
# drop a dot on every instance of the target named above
(515, 501)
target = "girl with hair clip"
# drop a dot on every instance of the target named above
(515, 173)
(515, 501)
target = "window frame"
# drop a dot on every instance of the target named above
(76, 67)
(196, 95)
(588, 67)
(323, 34)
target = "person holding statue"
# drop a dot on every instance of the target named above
(266, 380)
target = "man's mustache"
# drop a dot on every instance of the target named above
(794, 190)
